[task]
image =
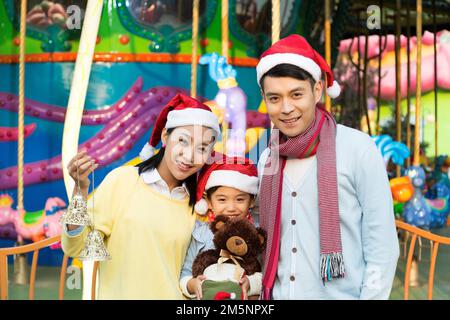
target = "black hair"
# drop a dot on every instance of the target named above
(288, 70)
(153, 163)
(210, 192)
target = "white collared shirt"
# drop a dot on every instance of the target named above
(153, 179)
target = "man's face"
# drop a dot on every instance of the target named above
(291, 103)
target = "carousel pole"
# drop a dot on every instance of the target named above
(20, 261)
(78, 90)
(195, 17)
(436, 126)
(398, 92)
(417, 125)
(327, 49)
(225, 36)
(276, 26)
(380, 43)
(276, 22)
(408, 82)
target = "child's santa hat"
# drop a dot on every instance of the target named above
(295, 50)
(235, 172)
(181, 110)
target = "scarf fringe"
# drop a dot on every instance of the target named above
(331, 266)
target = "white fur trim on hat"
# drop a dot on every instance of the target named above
(233, 179)
(201, 207)
(147, 152)
(270, 61)
(334, 90)
(193, 116)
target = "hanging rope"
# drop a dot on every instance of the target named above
(436, 150)
(380, 43)
(195, 14)
(225, 40)
(276, 22)
(359, 69)
(327, 49)
(398, 93)
(418, 84)
(365, 94)
(408, 82)
(20, 141)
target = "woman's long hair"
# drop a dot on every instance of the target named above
(153, 163)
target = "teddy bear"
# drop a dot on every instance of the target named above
(238, 242)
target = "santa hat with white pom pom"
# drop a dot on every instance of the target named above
(180, 111)
(295, 50)
(235, 172)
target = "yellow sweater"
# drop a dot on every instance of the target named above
(146, 233)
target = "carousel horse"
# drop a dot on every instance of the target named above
(440, 186)
(36, 225)
(418, 210)
(231, 99)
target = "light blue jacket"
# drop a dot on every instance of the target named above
(368, 232)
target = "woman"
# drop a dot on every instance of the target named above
(146, 212)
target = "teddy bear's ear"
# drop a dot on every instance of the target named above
(218, 223)
(262, 235)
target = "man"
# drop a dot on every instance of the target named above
(324, 196)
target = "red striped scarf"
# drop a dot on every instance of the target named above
(320, 139)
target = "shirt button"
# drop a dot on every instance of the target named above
(293, 222)
(292, 278)
(294, 194)
(294, 250)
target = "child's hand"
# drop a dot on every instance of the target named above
(245, 284)
(194, 286)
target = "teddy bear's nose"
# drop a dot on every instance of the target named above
(238, 242)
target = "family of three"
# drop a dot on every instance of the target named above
(320, 190)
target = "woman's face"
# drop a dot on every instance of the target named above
(187, 149)
(230, 202)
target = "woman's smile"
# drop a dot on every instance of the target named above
(182, 166)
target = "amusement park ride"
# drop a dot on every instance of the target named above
(95, 74)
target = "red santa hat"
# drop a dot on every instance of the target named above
(235, 172)
(222, 295)
(295, 50)
(181, 110)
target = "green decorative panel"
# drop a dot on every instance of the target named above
(250, 22)
(46, 22)
(164, 22)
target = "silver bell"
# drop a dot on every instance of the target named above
(95, 249)
(77, 212)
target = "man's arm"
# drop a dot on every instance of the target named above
(379, 235)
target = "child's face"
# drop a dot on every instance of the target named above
(230, 202)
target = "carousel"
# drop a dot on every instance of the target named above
(94, 74)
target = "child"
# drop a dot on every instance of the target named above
(226, 187)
